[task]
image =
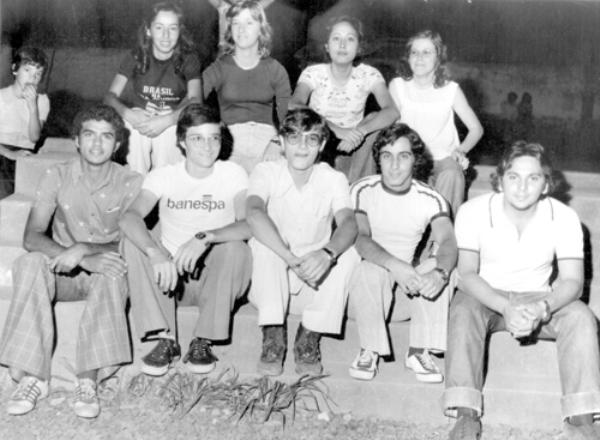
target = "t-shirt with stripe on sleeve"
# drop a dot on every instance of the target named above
(398, 219)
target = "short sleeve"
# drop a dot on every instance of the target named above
(395, 92)
(260, 182)
(373, 77)
(358, 197)
(568, 234)
(134, 183)
(308, 77)
(43, 107)
(46, 194)
(211, 78)
(156, 182)
(127, 66)
(238, 177)
(340, 193)
(191, 67)
(466, 228)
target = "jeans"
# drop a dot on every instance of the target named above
(574, 329)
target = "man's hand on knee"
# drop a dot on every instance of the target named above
(107, 263)
(431, 284)
(187, 255)
(69, 259)
(165, 271)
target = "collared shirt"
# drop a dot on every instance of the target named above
(398, 220)
(304, 215)
(512, 262)
(82, 213)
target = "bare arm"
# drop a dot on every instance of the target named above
(301, 96)
(238, 230)
(385, 116)
(469, 118)
(132, 115)
(216, 3)
(133, 226)
(34, 127)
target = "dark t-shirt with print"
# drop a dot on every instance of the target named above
(160, 85)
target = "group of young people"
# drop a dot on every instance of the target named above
(245, 207)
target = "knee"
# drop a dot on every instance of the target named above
(465, 315)
(30, 259)
(579, 318)
(232, 251)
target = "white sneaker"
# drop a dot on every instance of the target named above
(364, 366)
(85, 403)
(424, 367)
(26, 395)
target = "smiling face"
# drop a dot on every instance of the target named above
(523, 183)
(302, 148)
(164, 32)
(28, 74)
(245, 30)
(422, 58)
(396, 162)
(343, 43)
(97, 141)
(202, 144)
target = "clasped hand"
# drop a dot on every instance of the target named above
(311, 267)
(522, 319)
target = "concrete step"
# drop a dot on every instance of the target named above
(60, 145)
(14, 212)
(8, 254)
(522, 387)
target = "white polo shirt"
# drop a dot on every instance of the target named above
(516, 263)
(398, 219)
(303, 216)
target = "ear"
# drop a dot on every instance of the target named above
(546, 189)
(148, 34)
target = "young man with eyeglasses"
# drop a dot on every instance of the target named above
(200, 257)
(300, 262)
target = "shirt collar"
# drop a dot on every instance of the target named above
(77, 174)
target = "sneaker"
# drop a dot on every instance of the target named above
(26, 395)
(466, 428)
(307, 353)
(425, 369)
(273, 350)
(200, 357)
(85, 403)
(585, 431)
(364, 366)
(165, 353)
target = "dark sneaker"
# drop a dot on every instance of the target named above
(165, 353)
(466, 428)
(200, 357)
(273, 350)
(307, 353)
(586, 431)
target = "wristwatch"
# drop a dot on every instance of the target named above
(200, 235)
(444, 273)
(332, 256)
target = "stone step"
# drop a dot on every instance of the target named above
(14, 212)
(522, 387)
(59, 145)
(8, 254)
(30, 169)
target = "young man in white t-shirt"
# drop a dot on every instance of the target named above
(393, 210)
(200, 257)
(508, 241)
(291, 206)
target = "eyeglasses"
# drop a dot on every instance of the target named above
(212, 141)
(312, 140)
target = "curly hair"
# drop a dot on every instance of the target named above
(356, 25)
(423, 161)
(196, 114)
(143, 51)
(29, 55)
(520, 149)
(100, 112)
(441, 75)
(258, 13)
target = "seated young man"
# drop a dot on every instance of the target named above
(290, 208)
(23, 112)
(84, 199)
(200, 256)
(507, 243)
(393, 210)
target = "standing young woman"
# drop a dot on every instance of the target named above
(338, 91)
(165, 75)
(427, 101)
(248, 83)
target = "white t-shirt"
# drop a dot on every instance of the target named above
(344, 106)
(429, 112)
(516, 263)
(398, 219)
(303, 216)
(189, 205)
(14, 118)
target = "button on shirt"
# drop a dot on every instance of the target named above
(82, 213)
(512, 262)
(304, 215)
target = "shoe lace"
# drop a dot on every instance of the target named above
(85, 391)
(163, 348)
(27, 389)
(366, 357)
(200, 348)
(426, 361)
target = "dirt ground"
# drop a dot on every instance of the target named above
(154, 413)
